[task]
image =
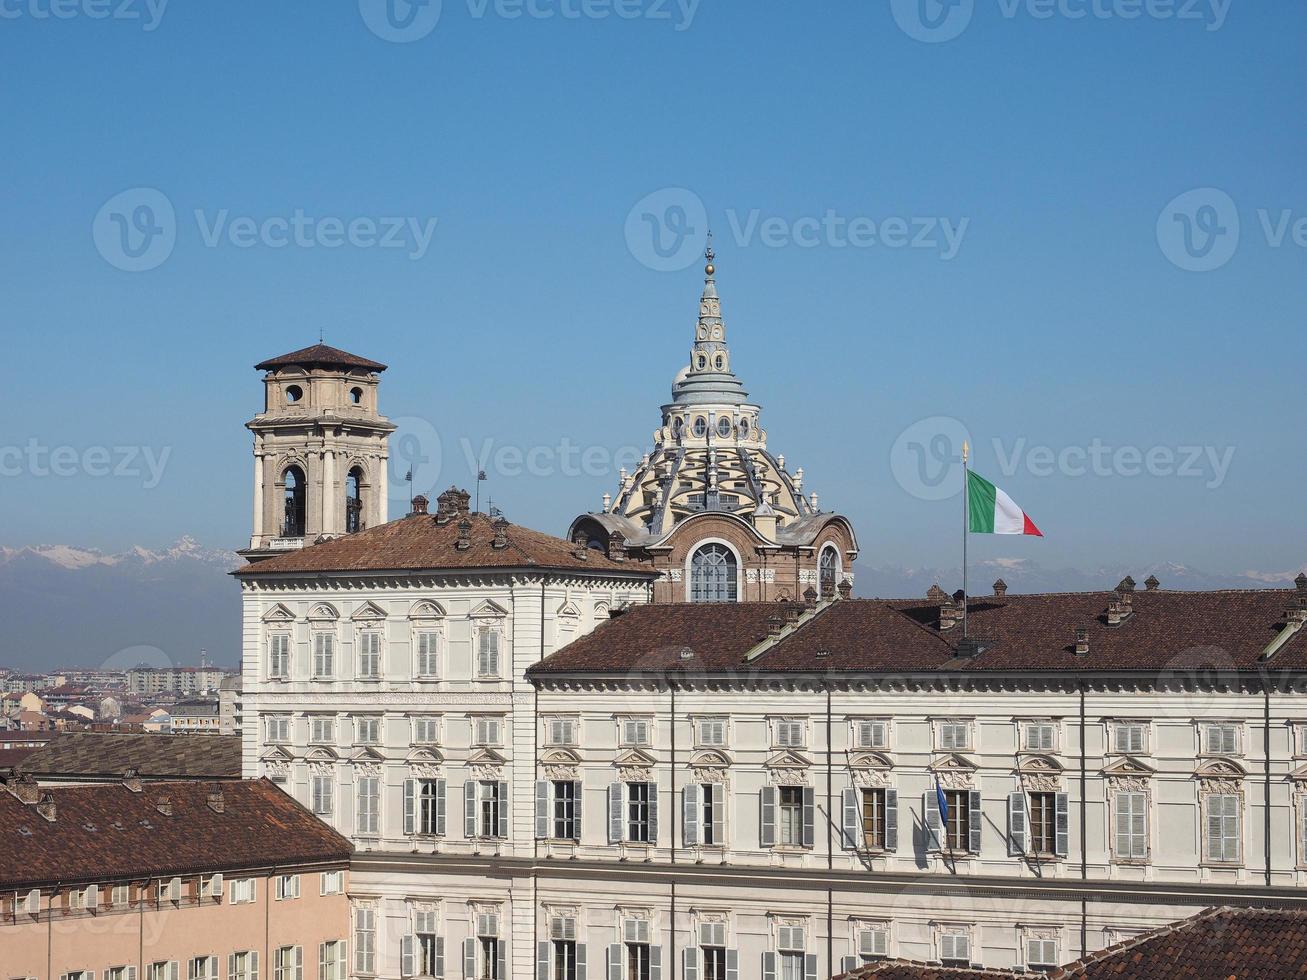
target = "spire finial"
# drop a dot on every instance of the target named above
(709, 254)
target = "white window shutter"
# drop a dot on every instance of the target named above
(767, 799)
(542, 961)
(732, 961)
(470, 808)
(891, 819)
(578, 797)
(809, 815)
(691, 806)
(616, 823)
(653, 813)
(410, 806)
(407, 957)
(542, 809)
(253, 964)
(1016, 824)
(231, 967)
(769, 966)
(440, 958)
(1063, 826)
(580, 961)
(719, 813)
(469, 959)
(690, 963)
(848, 964)
(441, 792)
(934, 830)
(501, 958)
(851, 818)
(503, 810)
(615, 963)
(974, 821)
(655, 963)
(810, 966)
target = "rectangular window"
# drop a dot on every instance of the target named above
(369, 656)
(872, 734)
(120, 973)
(638, 961)
(873, 943)
(711, 732)
(332, 883)
(488, 653)
(1131, 826)
(789, 734)
(278, 728)
(635, 731)
(490, 807)
(369, 806)
(365, 941)
(791, 965)
(322, 790)
(564, 959)
(709, 821)
(243, 966)
(279, 657)
(168, 970)
(714, 962)
(638, 824)
(873, 818)
(486, 731)
(203, 968)
(322, 731)
(959, 819)
(428, 951)
(428, 645)
(288, 963)
(1129, 738)
(1043, 823)
(367, 731)
(331, 960)
(241, 891)
(1222, 739)
(428, 807)
(561, 731)
(1039, 737)
(565, 828)
(121, 895)
(489, 950)
(324, 655)
(790, 805)
(426, 731)
(1041, 954)
(954, 736)
(1223, 828)
(955, 948)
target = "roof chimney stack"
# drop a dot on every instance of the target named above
(1082, 641)
(46, 807)
(1151, 583)
(216, 802)
(419, 505)
(616, 545)
(810, 597)
(1119, 608)
(25, 789)
(1126, 584)
(774, 625)
(1000, 588)
(464, 535)
(164, 805)
(500, 541)
(1301, 582)
(950, 613)
(132, 780)
(845, 589)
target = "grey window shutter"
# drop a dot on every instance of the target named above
(615, 961)
(809, 815)
(810, 966)
(655, 963)
(690, 804)
(503, 810)
(407, 960)
(231, 966)
(469, 959)
(501, 959)
(440, 807)
(653, 813)
(1063, 825)
(580, 961)
(768, 816)
(615, 821)
(973, 820)
(719, 815)
(891, 820)
(850, 821)
(690, 959)
(577, 795)
(542, 961)
(409, 803)
(542, 809)
(848, 964)
(1016, 824)
(470, 810)
(768, 966)
(732, 964)
(440, 958)
(934, 832)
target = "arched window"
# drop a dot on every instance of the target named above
(354, 501)
(292, 522)
(713, 574)
(356, 396)
(828, 571)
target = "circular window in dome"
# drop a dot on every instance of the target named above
(700, 427)
(294, 393)
(724, 427)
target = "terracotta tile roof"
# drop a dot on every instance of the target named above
(109, 833)
(1219, 944)
(319, 355)
(1165, 631)
(93, 755)
(418, 543)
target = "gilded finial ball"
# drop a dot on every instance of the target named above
(709, 269)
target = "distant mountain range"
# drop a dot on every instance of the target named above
(64, 606)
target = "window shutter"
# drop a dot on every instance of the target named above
(615, 822)
(503, 809)
(810, 966)
(213, 968)
(410, 816)
(615, 961)
(470, 811)
(1016, 824)
(253, 962)
(131, 973)
(93, 897)
(580, 961)
(768, 816)
(1063, 825)
(719, 814)
(973, 819)
(690, 961)
(231, 967)
(440, 958)
(732, 962)
(542, 809)
(848, 964)
(891, 819)
(934, 832)
(577, 796)
(655, 963)
(441, 792)
(851, 818)
(469, 959)
(690, 806)
(809, 815)
(653, 813)
(407, 959)
(768, 966)
(501, 958)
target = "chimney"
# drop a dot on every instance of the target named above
(792, 612)
(1296, 614)
(419, 505)
(935, 593)
(1082, 641)
(616, 545)
(1301, 582)
(216, 802)
(464, 535)
(1126, 584)
(774, 625)
(810, 597)
(25, 789)
(1151, 583)
(450, 504)
(46, 807)
(950, 614)
(1119, 608)
(845, 589)
(579, 546)
(500, 541)
(132, 780)
(164, 805)
(1000, 588)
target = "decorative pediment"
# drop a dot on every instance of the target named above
(488, 610)
(568, 610)
(953, 763)
(320, 753)
(279, 614)
(486, 757)
(323, 612)
(1220, 769)
(1129, 768)
(426, 610)
(368, 612)
(710, 759)
(1039, 765)
(367, 754)
(870, 760)
(787, 760)
(277, 754)
(635, 759)
(1299, 775)
(424, 757)
(560, 757)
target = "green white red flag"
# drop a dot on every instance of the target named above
(991, 511)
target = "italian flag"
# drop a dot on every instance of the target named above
(994, 512)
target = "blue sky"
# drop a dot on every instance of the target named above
(1065, 314)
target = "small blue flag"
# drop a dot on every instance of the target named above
(942, 800)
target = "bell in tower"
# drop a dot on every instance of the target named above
(320, 450)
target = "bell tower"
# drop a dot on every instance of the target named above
(320, 450)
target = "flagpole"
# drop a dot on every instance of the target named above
(966, 526)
